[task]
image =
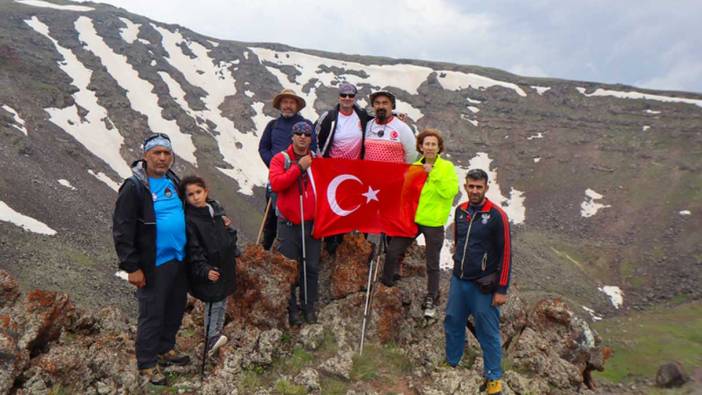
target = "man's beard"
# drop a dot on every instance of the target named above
(287, 113)
(381, 114)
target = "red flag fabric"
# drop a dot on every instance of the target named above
(369, 196)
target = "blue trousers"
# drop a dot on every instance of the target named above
(464, 300)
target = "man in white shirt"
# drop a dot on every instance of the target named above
(387, 138)
(340, 133)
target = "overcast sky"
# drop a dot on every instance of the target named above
(648, 43)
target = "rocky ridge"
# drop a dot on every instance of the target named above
(48, 344)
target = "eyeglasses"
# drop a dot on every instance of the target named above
(347, 95)
(302, 134)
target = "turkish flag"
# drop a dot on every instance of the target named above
(369, 196)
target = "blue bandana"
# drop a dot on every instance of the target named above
(158, 141)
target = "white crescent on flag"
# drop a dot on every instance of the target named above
(331, 194)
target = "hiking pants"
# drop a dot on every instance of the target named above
(464, 300)
(270, 226)
(216, 317)
(434, 240)
(161, 307)
(290, 239)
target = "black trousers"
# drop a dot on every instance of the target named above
(270, 226)
(290, 239)
(161, 306)
(434, 237)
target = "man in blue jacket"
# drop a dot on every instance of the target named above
(276, 137)
(481, 272)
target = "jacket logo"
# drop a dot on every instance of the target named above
(154, 196)
(394, 135)
(485, 218)
(168, 192)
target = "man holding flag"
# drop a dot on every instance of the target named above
(291, 179)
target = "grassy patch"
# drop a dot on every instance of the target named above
(329, 345)
(250, 381)
(284, 387)
(297, 360)
(333, 386)
(386, 362)
(644, 341)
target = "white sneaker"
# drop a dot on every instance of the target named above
(221, 340)
(429, 308)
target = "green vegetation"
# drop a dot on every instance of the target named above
(643, 341)
(386, 362)
(333, 386)
(284, 387)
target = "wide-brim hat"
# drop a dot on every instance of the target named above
(288, 93)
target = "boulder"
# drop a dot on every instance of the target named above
(263, 284)
(9, 290)
(671, 374)
(349, 269)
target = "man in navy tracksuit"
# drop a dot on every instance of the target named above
(481, 274)
(276, 137)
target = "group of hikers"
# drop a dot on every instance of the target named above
(172, 238)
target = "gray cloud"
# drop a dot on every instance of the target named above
(645, 43)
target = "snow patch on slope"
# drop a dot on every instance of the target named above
(540, 89)
(240, 150)
(139, 92)
(638, 95)
(46, 4)
(90, 130)
(457, 80)
(403, 76)
(131, 32)
(66, 184)
(104, 178)
(616, 296)
(685, 212)
(589, 207)
(645, 128)
(19, 122)
(513, 206)
(7, 214)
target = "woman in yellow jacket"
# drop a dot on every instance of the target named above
(434, 207)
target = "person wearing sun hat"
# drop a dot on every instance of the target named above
(276, 137)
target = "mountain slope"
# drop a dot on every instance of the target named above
(602, 182)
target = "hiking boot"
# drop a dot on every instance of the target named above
(310, 316)
(153, 376)
(173, 358)
(387, 283)
(215, 343)
(294, 317)
(492, 387)
(429, 308)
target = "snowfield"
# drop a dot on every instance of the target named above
(589, 207)
(7, 214)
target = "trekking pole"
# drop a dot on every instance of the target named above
(204, 348)
(263, 222)
(372, 278)
(304, 251)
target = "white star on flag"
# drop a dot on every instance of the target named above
(372, 194)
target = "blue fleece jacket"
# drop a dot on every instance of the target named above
(278, 136)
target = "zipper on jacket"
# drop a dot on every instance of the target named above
(465, 245)
(484, 265)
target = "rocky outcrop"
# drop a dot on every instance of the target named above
(263, 283)
(46, 343)
(349, 269)
(671, 374)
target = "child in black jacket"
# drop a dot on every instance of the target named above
(211, 256)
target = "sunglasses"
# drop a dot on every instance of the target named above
(347, 95)
(155, 136)
(302, 134)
